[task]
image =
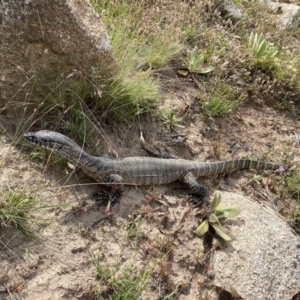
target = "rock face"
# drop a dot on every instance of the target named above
(287, 14)
(42, 41)
(233, 10)
(263, 261)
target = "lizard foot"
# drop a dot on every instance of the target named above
(197, 200)
(112, 198)
(105, 198)
(102, 198)
(200, 191)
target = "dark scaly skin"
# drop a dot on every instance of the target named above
(139, 170)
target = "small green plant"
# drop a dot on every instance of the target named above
(286, 105)
(195, 62)
(115, 284)
(221, 100)
(255, 179)
(217, 214)
(190, 33)
(292, 183)
(218, 106)
(289, 187)
(261, 48)
(133, 225)
(170, 119)
(122, 279)
(16, 208)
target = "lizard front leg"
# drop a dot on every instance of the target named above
(199, 190)
(117, 189)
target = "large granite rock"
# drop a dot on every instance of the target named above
(43, 41)
(263, 261)
(286, 14)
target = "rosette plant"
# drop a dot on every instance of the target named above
(217, 215)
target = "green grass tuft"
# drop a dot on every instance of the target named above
(221, 100)
(170, 119)
(133, 88)
(122, 279)
(293, 183)
(16, 208)
(116, 285)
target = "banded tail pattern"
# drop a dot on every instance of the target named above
(228, 166)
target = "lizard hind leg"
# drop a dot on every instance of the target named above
(117, 189)
(200, 191)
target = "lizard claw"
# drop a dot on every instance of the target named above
(110, 199)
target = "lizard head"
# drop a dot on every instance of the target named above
(47, 139)
(53, 140)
